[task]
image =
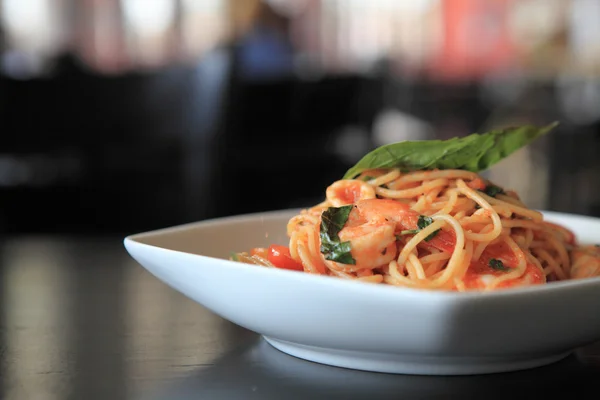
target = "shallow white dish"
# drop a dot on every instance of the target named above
(372, 327)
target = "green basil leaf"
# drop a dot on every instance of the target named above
(423, 222)
(476, 152)
(493, 190)
(498, 265)
(332, 221)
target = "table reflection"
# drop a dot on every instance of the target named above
(79, 319)
(33, 299)
(258, 371)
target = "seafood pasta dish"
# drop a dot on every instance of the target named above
(419, 215)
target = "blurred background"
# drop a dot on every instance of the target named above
(118, 116)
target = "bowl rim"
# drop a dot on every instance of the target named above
(364, 289)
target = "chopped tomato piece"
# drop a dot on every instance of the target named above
(444, 241)
(280, 257)
(477, 184)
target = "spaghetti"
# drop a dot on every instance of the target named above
(439, 229)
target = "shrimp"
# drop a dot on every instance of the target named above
(373, 242)
(349, 191)
(585, 262)
(371, 230)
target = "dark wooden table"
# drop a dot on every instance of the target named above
(79, 319)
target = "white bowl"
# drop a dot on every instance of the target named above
(366, 326)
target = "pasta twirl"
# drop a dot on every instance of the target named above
(439, 229)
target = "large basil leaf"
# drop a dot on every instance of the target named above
(476, 152)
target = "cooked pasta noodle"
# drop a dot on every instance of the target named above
(428, 230)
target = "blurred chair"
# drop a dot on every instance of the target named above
(267, 144)
(121, 137)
